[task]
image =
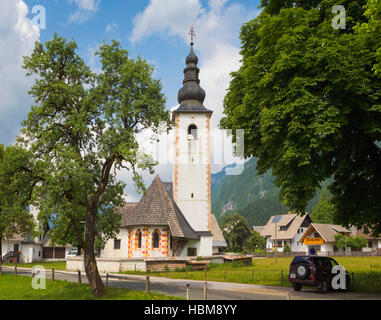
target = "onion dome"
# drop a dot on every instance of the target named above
(191, 96)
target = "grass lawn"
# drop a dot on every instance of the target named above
(366, 270)
(20, 288)
(57, 265)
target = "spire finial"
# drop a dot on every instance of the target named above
(192, 34)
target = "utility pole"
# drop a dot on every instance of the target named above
(276, 242)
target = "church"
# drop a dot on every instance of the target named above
(174, 219)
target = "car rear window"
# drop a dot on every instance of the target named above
(301, 259)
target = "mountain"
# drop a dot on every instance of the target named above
(253, 196)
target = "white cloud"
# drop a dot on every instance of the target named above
(17, 36)
(112, 27)
(85, 10)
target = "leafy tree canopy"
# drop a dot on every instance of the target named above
(235, 230)
(309, 102)
(256, 241)
(356, 242)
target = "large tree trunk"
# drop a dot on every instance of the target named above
(95, 281)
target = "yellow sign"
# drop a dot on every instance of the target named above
(311, 241)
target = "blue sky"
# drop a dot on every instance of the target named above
(154, 29)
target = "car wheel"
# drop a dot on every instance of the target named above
(323, 286)
(302, 271)
(297, 287)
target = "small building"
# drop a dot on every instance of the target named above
(321, 237)
(374, 243)
(22, 249)
(287, 228)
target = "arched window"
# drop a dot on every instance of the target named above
(138, 239)
(192, 132)
(156, 239)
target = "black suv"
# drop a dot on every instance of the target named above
(312, 271)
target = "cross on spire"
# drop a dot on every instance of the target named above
(192, 34)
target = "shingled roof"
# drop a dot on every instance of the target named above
(218, 237)
(292, 222)
(157, 208)
(326, 231)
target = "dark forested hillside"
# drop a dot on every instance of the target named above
(253, 196)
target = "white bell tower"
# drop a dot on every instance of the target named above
(191, 174)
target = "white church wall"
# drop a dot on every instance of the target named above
(204, 246)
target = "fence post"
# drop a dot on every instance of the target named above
(16, 270)
(79, 276)
(106, 280)
(205, 272)
(353, 279)
(147, 285)
(188, 291)
(53, 274)
(205, 290)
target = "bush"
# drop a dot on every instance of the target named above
(286, 248)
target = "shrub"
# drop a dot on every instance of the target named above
(286, 248)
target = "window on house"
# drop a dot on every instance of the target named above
(171, 243)
(283, 228)
(192, 252)
(116, 243)
(138, 238)
(156, 239)
(192, 132)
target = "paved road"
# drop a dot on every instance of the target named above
(215, 290)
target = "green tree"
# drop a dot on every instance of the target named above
(81, 130)
(309, 103)
(343, 241)
(324, 211)
(235, 230)
(256, 241)
(14, 195)
(370, 31)
(286, 248)
(358, 242)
